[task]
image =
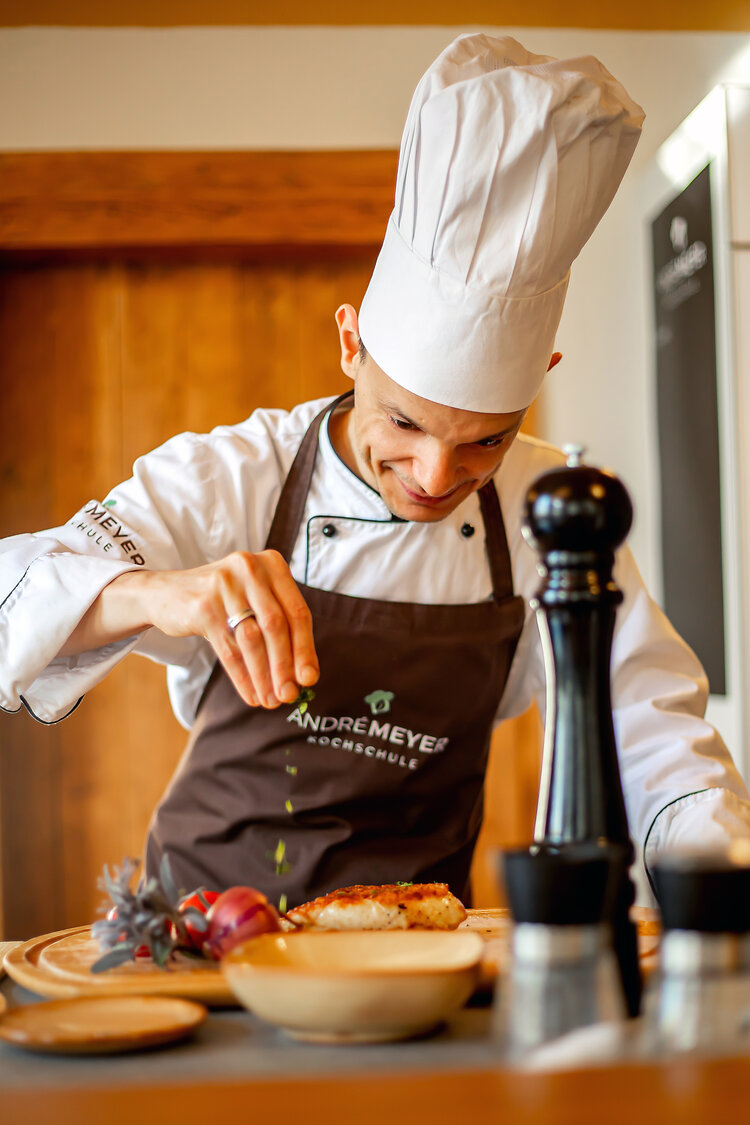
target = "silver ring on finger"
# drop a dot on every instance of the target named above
(237, 618)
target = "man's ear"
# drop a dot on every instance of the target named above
(346, 319)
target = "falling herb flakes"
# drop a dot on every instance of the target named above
(279, 858)
(283, 902)
(282, 866)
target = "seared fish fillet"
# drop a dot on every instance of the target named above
(391, 906)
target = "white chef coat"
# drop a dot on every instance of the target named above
(199, 497)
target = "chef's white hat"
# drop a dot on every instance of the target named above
(508, 161)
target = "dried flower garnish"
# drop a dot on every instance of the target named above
(149, 916)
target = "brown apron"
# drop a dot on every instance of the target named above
(380, 777)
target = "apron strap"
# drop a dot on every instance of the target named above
(291, 507)
(497, 542)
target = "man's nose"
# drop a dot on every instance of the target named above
(437, 470)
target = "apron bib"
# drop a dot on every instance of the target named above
(380, 777)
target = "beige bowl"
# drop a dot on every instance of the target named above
(361, 986)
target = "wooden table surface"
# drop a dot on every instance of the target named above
(684, 1093)
(239, 1069)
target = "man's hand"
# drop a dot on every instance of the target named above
(268, 656)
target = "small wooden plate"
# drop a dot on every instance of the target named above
(100, 1025)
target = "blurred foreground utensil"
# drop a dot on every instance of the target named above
(563, 974)
(703, 989)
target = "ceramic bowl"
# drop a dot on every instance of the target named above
(361, 986)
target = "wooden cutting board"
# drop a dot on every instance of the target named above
(58, 965)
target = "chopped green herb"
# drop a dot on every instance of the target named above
(288, 805)
(292, 770)
(306, 695)
(282, 904)
(402, 884)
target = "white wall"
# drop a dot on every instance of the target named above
(350, 87)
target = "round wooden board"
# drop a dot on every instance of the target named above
(58, 966)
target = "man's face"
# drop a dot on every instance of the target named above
(423, 459)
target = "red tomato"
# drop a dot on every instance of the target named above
(196, 936)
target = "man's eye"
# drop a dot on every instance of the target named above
(400, 423)
(491, 442)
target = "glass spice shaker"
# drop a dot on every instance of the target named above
(563, 973)
(701, 1000)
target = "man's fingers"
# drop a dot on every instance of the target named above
(271, 653)
(306, 669)
(234, 663)
(285, 623)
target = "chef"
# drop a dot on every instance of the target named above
(340, 593)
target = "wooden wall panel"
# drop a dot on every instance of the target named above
(511, 788)
(55, 344)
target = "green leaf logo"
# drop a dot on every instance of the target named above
(109, 503)
(379, 702)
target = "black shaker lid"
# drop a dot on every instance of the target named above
(560, 885)
(708, 892)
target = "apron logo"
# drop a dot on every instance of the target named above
(379, 702)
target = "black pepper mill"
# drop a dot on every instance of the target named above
(575, 518)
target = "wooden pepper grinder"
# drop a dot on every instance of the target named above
(575, 518)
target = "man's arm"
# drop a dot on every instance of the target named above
(158, 566)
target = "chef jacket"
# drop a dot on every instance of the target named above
(199, 497)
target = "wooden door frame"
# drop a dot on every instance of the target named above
(243, 204)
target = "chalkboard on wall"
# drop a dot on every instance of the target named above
(688, 425)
